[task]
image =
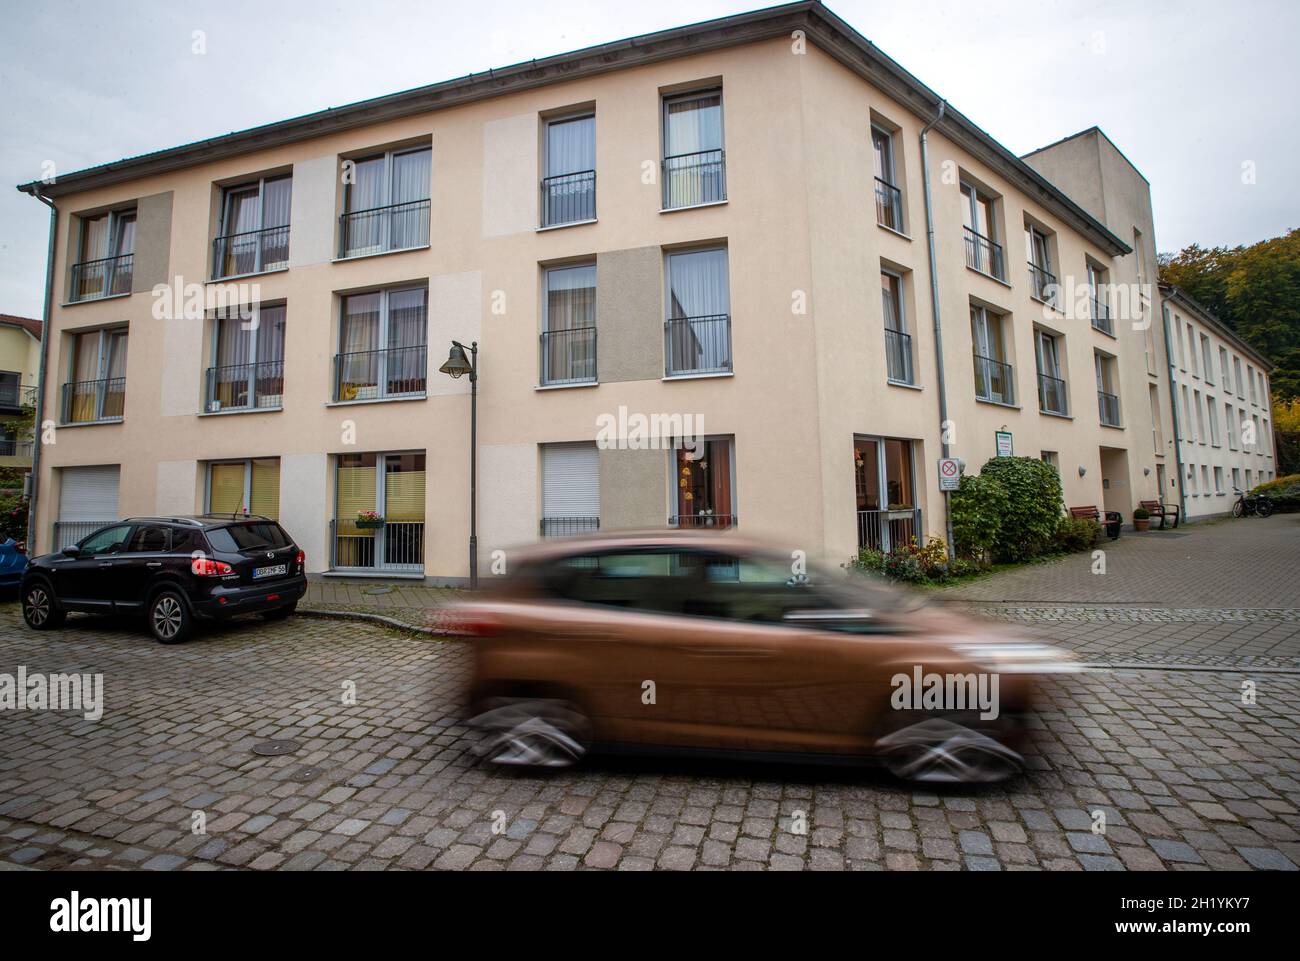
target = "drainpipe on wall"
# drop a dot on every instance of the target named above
(1173, 409)
(40, 374)
(934, 309)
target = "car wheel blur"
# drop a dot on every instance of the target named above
(41, 610)
(940, 750)
(170, 621)
(533, 732)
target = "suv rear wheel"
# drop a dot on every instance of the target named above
(170, 620)
(41, 610)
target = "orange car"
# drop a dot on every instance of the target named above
(687, 641)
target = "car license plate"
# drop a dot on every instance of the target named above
(270, 571)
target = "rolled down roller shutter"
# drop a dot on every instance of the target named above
(570, 488)
(87, 500)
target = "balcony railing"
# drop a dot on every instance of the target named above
(15, 396)
(568, 356)
(1101, 316)
(889, 205)
(1042, 285)
(12, 447)
(108, 277)
(698, 345)
(91, 401)
(384, 229)
(569, 198)
(245, 387)
(888, 530)
(67, 533)
(381, 374)
(395, 548)
(984, 255)
(1052, 395)
(569, 526)
(695, 178)
(717, 521)
(994, 381)
(1108, 408)
(898, 356)
(250, 252)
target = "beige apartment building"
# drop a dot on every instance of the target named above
(697, 269)
(20, 357)
(1222, 406)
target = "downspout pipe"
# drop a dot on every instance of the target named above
(934, 309)
(1173, 409)
(46, 335)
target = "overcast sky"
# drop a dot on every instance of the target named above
(1190, 90)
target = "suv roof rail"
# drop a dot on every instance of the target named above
(239, 516)
(164, 520)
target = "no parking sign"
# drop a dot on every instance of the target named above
(949, 473)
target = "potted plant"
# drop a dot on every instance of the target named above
(1141, 519)
(369, 520)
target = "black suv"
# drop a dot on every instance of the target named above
(171, 569)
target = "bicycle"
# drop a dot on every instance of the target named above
(1249, 503)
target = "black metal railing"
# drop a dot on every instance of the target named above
(698, 345)
(718, 521)
(984, 255)
(383, 229)
(889, 205)
(245, 386)
(250, 252)
(994, 380)
(1052, 395)
(88, 401)
(898, 356)
(67, 533)
(888, 530)
(14, 396)
(1042, 285)
(569, 526)
(1101, 316)
(568, 356)
(695, 178)
(569, 198)
(13, 447)
(107, 277)
(395, 548)
(1108, 408)
(376, 374)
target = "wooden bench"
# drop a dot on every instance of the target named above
(1158, 509)
(1113, 520)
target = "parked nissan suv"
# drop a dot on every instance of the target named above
(170, 569)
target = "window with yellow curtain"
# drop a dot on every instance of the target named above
(404, 487)
(265, 487)
(226, 488)
(234, 486)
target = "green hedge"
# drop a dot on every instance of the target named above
(1034, 506)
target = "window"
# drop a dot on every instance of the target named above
(105, 256)
(253, 235)
(570, 489)
(96, 387)
(245, 487)
(1051, 458)
(1052, 397)
(248, 537)
(87, 501)
(11, 393)
(568, 341)
(1187, 429)
(386, 203)
(1236, 376)
(247, 371)
(994, 378)
(569, 186)
(885, 484)
(383, 351)
(694, 159)
(1236, 478)
(1042, 282)
(1157, 428)
(149, 539)
(1200, 417)
(1250, 377)
(1099, 307)
(1212, 412)
(1191, 479)
(379, 512)
(1207, 362)
(704, 479)
(1231, 426)
(983, 252)
(898, 343)
(1218, 480)
(111, 540)
(698, 329)
(1223, 371)
(889, 199)
(1107, 397)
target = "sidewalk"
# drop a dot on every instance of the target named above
(412, 605)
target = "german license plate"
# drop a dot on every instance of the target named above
(275, 571)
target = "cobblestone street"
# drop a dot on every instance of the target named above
(1155, 735)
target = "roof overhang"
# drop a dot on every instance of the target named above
(819, 25)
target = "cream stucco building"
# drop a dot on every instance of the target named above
(718, 232)
(20, 357)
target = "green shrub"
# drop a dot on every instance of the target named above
(1034, 506)
(1284, 492)
(1074, 534)
(978, 506)
(1141, 514)
(13, 515)
(910, 563)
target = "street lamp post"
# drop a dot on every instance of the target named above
(457, 366)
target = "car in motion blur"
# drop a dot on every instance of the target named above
(707, 643)
(13, 561)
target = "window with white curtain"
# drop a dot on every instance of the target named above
(569, 325)
(699, 313)
(253, 235)
(994, 380)
(383, 338)
(694, 160)
(105, 255)
(569, 185)
(898, 343)
(247, 369)
(386, 202)
(96, 387)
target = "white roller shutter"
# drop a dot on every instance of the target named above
(89, 493)
(570, 486)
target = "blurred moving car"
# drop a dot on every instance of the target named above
(13, 561)
(172, 570)
(699, 642)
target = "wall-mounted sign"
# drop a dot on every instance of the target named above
(1005, 448)
(949, 473)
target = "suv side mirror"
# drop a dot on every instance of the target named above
(72, 550)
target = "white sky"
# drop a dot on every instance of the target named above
(1188, 89)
